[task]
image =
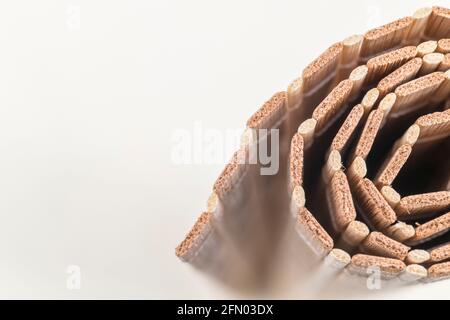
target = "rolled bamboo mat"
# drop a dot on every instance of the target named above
(363, 181)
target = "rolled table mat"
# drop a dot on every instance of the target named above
(362, 179)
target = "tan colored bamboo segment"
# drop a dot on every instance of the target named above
(385, 37)
(392, 166)
(431, 229)
(443, 46)
(415, 206)
(320, 69)
(438, 26)
(347, 129)
(440, 253)
(379, 244)
(362, 264)
(271, 112)
(186, 249)
(313, 233)
(332, 104)
(418, 26)
(340, 197)
(373, 204)
(400, 76)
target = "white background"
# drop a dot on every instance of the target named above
(91, 93)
